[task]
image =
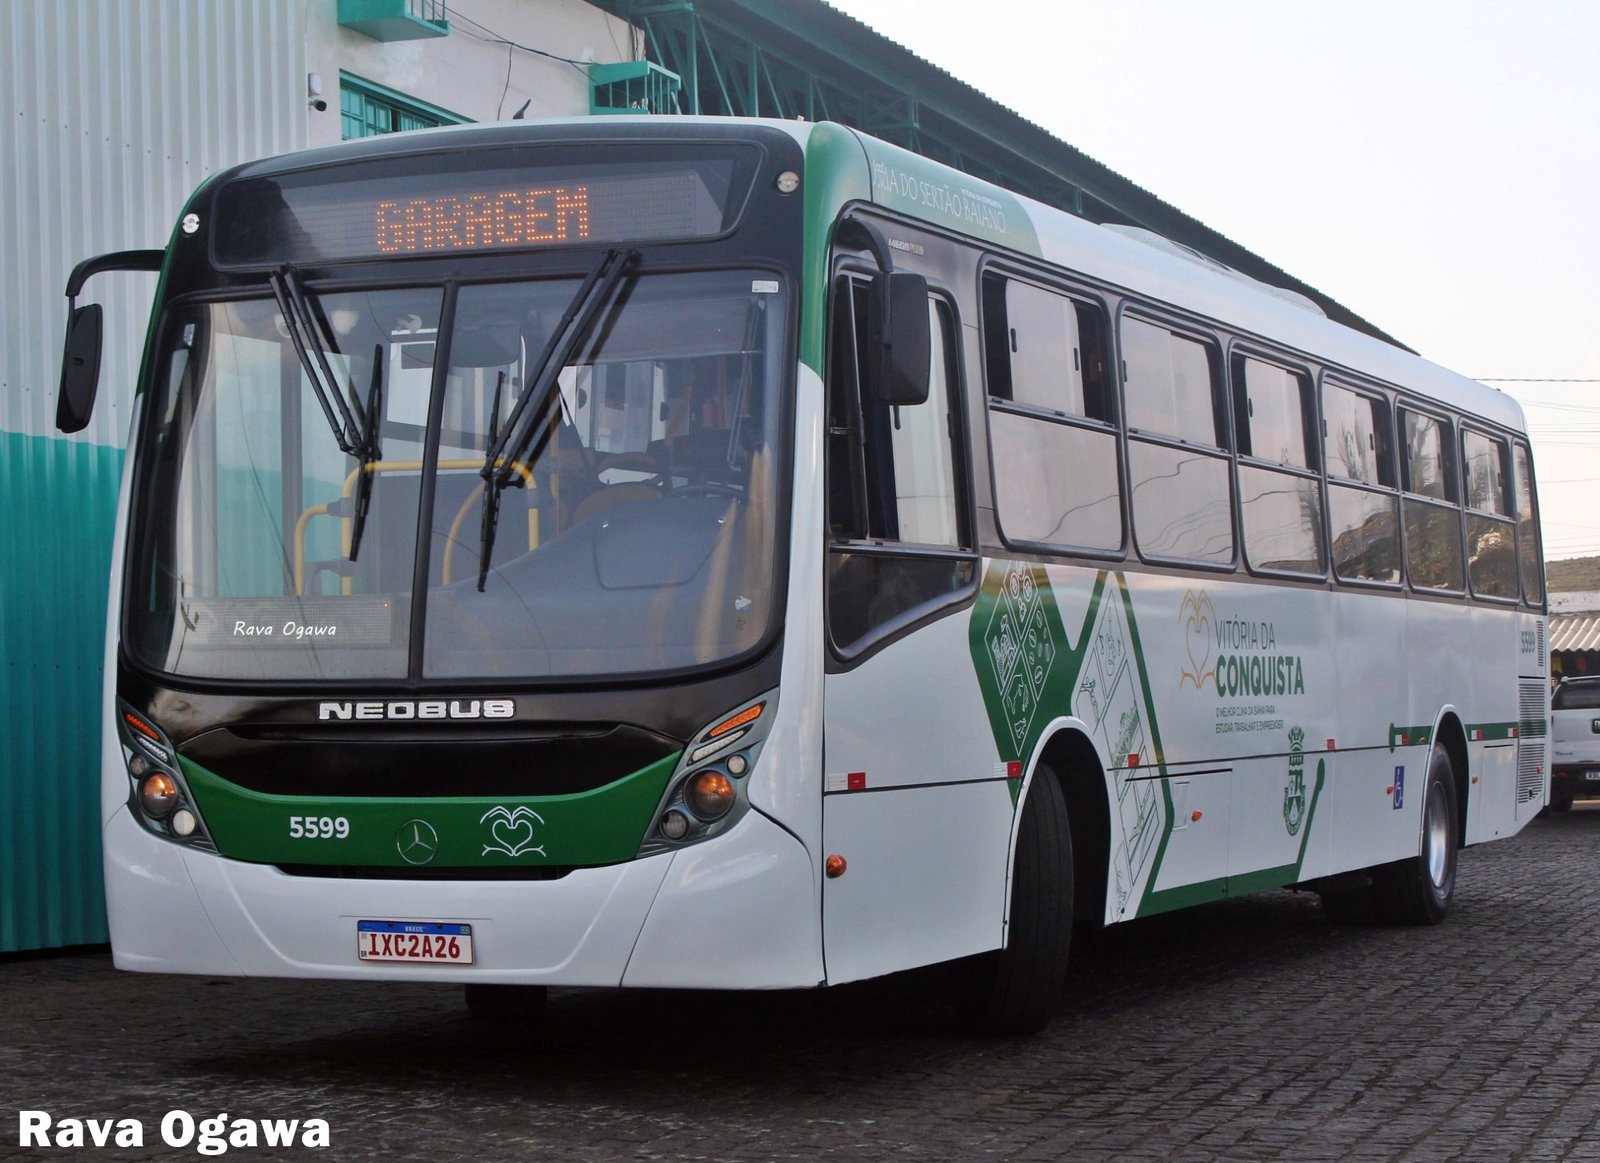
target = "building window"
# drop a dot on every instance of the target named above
(368, 109)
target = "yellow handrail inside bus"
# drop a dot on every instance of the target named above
(381, 466)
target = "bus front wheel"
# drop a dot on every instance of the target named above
(1017, 989)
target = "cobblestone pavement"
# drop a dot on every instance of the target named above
(1252, 1029)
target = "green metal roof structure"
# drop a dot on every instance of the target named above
(805, 58)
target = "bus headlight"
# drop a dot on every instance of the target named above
(708, 793)
(158, 795)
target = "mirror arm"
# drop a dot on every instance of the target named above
(121, 260)
(861, 233)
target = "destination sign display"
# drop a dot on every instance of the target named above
(527, 217)
(475, 202)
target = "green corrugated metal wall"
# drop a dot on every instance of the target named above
(57, 513)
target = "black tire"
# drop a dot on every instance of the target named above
(523, 1004)
(1559, 804)
(1016, 990)
(1419, 889)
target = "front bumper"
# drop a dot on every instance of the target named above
(739, 911)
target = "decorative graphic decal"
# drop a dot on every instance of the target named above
(1294, 791)
(1119, 713)
(1232, 671)
(511, 830)
(1031, 671)
(1197, 615)
(1237, 660)
(1021, 650)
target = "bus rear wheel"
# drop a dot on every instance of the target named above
(1017, 989)
(1418, 890)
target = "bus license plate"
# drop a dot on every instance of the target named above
(414, 941)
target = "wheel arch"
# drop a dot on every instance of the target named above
(1071, 756)
(1452, 736)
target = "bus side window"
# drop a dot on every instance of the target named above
(1280, 496)
(1363, 507)
(1057, 478)
(895, 485)
(1177, 445)
(1491, 529)
(1528, 551)
(1431, 509)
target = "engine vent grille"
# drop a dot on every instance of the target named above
(1533, 725)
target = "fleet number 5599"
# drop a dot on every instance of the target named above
(318, 827)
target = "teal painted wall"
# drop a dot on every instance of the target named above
(58, 502)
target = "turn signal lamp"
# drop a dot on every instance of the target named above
(748, 715)
(141, 726)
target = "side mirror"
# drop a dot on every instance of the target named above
(80, 368)
(899, 340)
(80, 356)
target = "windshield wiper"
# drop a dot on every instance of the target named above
(370, 451)
(354, 425)
(527, 420)
(307, 338)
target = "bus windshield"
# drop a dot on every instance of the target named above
(636, 531)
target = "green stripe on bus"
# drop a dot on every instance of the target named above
(1238, 884)
(603, 826)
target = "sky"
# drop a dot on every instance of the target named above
(1434, 165)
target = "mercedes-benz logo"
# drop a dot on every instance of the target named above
(417, 841)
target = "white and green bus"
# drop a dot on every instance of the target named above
(747, 555)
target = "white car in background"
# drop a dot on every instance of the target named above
(1575, 741)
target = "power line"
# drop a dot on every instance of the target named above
(1530, 380)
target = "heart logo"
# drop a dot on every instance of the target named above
(511, 830)
(1198, 614)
